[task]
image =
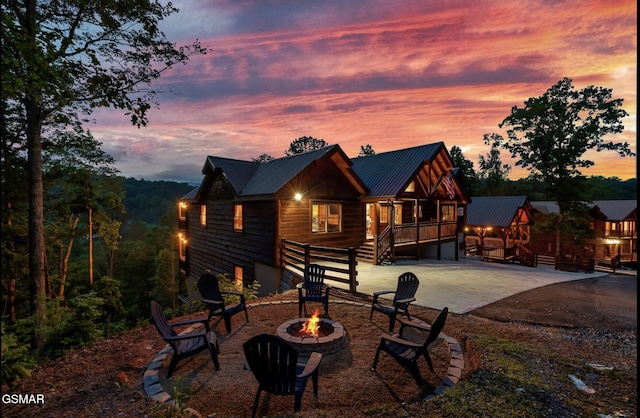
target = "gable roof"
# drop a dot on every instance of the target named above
(250, 178)
(386, 174)
(613, 210)
(616, 210)
(498, 211)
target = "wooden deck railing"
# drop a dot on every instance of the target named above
(340, 264)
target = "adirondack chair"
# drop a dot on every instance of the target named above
(403, 296)
(185, 345)
(407, 352)
(213, 297)
(313, 289)
(274, 363)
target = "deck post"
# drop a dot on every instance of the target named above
(353, 282)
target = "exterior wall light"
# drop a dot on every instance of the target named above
(297, 197)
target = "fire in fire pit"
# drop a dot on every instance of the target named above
(313, 334)
(311, 328)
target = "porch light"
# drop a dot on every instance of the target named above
(612, 241)
(297, 197)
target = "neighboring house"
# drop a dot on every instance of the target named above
(499, 228)
(614, 226)
(407, 202)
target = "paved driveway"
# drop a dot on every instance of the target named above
(462, 285)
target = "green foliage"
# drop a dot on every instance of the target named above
(366, 150)
(79, 324)
(493, 174)
(16, 360)
(176, 409)
(304, 144)
(226, 284)
(148, 201)
(465, 166)
(263, 158)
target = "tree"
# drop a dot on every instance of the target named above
(63, 59)
(466, 168)
(304, 144)
(262, 158)
(492, 172)
(551, 133)
(366, 150)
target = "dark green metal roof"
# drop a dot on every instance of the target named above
(496, 211)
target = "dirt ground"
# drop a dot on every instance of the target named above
(106, 379)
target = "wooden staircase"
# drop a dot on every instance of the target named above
(366, 254)
(526, 256)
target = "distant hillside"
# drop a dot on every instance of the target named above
(148, 201)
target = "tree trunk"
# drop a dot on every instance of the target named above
(35, 119)
(64, 270)
(559, 232)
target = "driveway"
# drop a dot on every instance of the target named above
(462, 285)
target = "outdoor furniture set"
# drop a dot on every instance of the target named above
(276, 365)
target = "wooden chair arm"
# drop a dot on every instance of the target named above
(212, 301)
(380, 293)
(312, 364)
(185, 336)
(189, 322)
(413, 323)
(398, 340)
(406, 301)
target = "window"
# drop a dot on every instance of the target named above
(238, 274)
(182, 211)
(384, 214)
(182, 246)
(411, 187)
(448, 213)
(203, 215)
(326, 217)
(237, 217)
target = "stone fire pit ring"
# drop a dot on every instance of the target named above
(331, 343)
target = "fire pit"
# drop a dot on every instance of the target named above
(313, 334)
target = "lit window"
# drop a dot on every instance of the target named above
(203, 215)
(448, 212)
(238, 274)
(326, 217)
(237, 217)
(182, 246)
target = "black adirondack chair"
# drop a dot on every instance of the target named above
(185, 345)
(407, 352)
(213, 297)
(274, 363)
(402, 297)
(313, 289)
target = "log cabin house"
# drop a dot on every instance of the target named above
(613, 224)
(246, 218)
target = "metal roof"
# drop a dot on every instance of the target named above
(237, 172)
(250, 178)
(385, 174)
(613, 210)
(494, 210)
(616, 210)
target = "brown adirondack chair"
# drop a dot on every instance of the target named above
(185, 345)
(213, 297)
(402, 297)
(313, 288)
(407, 352)
(274, 363)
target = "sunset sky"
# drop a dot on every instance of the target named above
(392, 74)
